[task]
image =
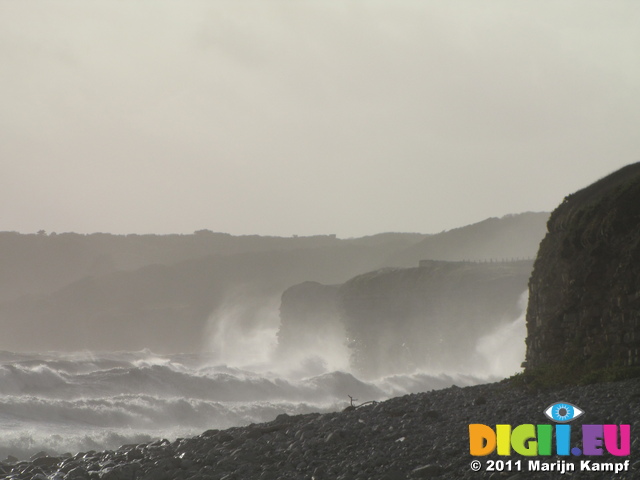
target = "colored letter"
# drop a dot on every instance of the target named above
(563, 439)
(503, 432)
(544, 439)
(592, 439)
(611, 440)
(482, 440)
(523, 440)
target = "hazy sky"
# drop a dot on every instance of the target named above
(306, 117)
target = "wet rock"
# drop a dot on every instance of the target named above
(77, 473)
(38, 455)
(46, 461)
(427, 471)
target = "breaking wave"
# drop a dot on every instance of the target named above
(58, 402)
(71, 402)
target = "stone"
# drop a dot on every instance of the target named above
(427, 471)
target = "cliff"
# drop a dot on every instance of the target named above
(584, 300)
(397, 320)
(429, 317)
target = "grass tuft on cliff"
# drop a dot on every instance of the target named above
(550, 377)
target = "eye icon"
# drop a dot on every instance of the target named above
(563, 412)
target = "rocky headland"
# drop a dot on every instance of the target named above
(397, 320)
(429, 317)
(584, 299)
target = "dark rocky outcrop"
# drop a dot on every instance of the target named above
(431, 316)
(398, 320)
(584, 301)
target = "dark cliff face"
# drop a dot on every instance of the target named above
(429, 317)
(398, 320)
(584, 293)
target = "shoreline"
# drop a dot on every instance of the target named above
(422, 435)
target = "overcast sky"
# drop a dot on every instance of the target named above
(308, 117)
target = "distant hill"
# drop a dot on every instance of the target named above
(40, 263)
(128, 292)
(167, 307)
(510, 237)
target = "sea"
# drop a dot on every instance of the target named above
(70, 402)
(76, 402)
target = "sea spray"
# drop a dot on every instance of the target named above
(69, 402)
(502, 351)
(241, 332)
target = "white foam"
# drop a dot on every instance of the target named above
(89, 401)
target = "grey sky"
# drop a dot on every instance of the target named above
(304, 117)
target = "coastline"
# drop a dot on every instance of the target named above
(421, 435)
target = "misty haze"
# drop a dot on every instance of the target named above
(214, 213)
(115, 339)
